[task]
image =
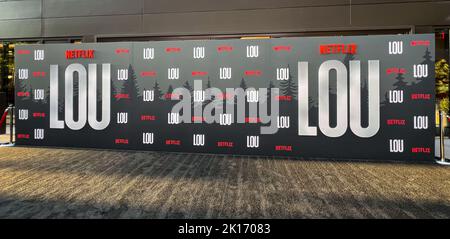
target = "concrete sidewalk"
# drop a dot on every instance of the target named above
(80, 183)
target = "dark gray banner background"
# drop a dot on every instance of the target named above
(417, 50)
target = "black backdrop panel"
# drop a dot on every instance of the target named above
(341, 97)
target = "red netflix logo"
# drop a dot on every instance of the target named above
(225, 96)
(225, 144)
(252, 120)
(171, 95)
(395, 70)
(420, 96)
(396, 122)
(253, 73)
(148, 117)
(39, 115)
(173, 49)
(199, 73)
(148, 73)
(338, 49)
(283, 148)
(73, 54)
(421, 150)
(122, 51)
(38, 74)
(198, 119)
(420, 43)
(121, 141)
(282, 48)
(23, 52)
(224, 48)
(23, 136)
(122, 96)
(173, 142)
(23, 93)
(284, 98)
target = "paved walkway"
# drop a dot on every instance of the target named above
(76, 183)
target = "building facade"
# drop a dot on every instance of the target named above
(99, 19)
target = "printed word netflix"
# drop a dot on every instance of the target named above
(73, 54)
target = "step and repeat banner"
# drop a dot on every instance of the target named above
(340, 97)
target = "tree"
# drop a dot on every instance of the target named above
(169, 90)
(288, 87)
(208, 84)
(188, 86)
(269, 91)
(442, 80)
(243, 85)
(114, 91)
(400, 84)
(157, 91)
(347, 59)
(130, 86)
(442, 88)
(427, 57)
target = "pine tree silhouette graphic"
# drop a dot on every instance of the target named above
(130, 86)
(269, 97)
(169, 90)
(427, 58)
(114, 91)
(157, 91)
(418, 85)
(400, 84)
(212, 97)
(347, 59)
(269, 91)
(188, 87)
(288, 87)
(243, 85)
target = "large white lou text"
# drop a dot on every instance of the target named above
(87, 97)
(342, 97)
